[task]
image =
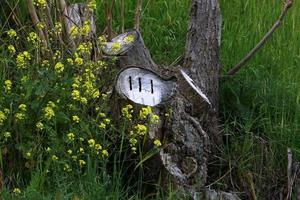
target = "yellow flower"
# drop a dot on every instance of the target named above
(76, 119)
(91, 143)
(102, 125)
(39, 126)
(54, 158)
(22, 59)
(74, 31)
(34, 39)
(67, 168)
(84, 48)
(17, 191)
(23, 107)
(83, 100)
(48, 112)
(102, 39)
(70, 61)
(2, 117)
(71, 136)
(7, 134)
(7, 85)
(11, 49)
(86, 28)
(45, 63)
(98, 147)
(116, 46)
(75, 94)
(59, 67)
(28, 154)
(79, 61)
(20, 116)
(157, 143)
(58, 28)
(127, 111)
(105, 153)
(141, 129)
(81, 150)
(82, 163)
(12, 33)
(129, 38)
(69, 151)
(154, 119)
(96, 94)
(74, 158)
(92, 5)
(107, 121)
(144, 112)
(40, 3)
(40, 25)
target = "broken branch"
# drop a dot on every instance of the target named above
(138, 14)
(288, 4)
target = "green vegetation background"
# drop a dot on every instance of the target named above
(260, 106)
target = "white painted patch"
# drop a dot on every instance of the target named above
(143, 87)
(124, 45)
(195, 87)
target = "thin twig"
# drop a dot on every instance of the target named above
(122, 16)
(64, 10)
(236, 68)
(36, 21)
(138, 14)
(289, 173)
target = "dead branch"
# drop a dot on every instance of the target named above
(122, 16)
(288, 4)
(138, 14)
(64, 10)
(289, 173)
(36, 21)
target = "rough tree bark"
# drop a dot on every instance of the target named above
(193, 126)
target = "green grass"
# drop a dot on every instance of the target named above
(260, 106)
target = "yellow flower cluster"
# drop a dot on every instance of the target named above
(116, 46)
(141, 129)
(11, 49)
(82, 163)
(84, 48)
(34, 39)
(7, 134)
(127, 111)
(40, 25)
(58, 28)
(128, 39)
(71, 136)
(22, 114)
(76, 119)
(12, 33)
(144, 112)
(45, 63)
(49, 110)
(67, 168)
(7, 85)
(86, 28)
(54, 158)
(40, 3)
(23, 59)
(39, 126)
(157, 143)
(16, 191)
(92, 5)
(2, 117)
(74, 31)
(59, 67)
